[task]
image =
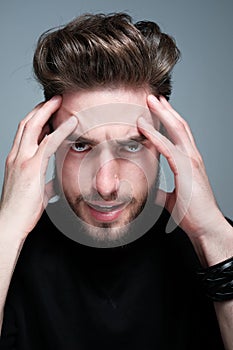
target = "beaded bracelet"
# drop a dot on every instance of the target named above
(217, 280)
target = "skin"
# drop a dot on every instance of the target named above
(25, 193)
(106, 172)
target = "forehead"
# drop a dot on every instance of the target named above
(82, 100)
(111, 112)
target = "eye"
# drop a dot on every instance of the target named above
(80, 147)
(133, 147)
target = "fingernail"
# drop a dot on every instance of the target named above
(55, 98)
(141, 120)
(153, 99)
(72, 121)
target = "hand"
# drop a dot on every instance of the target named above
(25, 193)
(192, 203)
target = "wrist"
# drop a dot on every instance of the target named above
(10, 230)
(215, 243)
(217, 280)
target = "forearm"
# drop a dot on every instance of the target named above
(212, 250)
(224, 312)
(10, 247)
(214, 243)
(192, 204)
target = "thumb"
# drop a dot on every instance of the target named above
(168, 201)
(49, 191)
(165, 199)
(161, 198)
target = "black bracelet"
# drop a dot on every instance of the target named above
(217, 280)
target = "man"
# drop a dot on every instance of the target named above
(107, 84)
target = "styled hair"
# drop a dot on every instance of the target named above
(98, 50)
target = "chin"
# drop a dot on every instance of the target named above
(106, 233)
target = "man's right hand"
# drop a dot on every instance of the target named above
(25, 193)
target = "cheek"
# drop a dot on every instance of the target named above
(142, 170)
(139, 172)
(139, 177)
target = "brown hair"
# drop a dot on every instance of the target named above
(105, 50)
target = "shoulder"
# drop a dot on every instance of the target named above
(41, 251)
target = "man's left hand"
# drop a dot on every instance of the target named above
(192, 203)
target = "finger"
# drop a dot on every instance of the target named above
(174, 126)
(50, 143)
(188, 130)
(45, 131)
(167, 105)
(49, 190)
(33, 127)
(162, 144)
(19, 132)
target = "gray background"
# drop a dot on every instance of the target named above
(202, 80)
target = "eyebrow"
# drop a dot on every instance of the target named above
(137, 138)
(93, 142)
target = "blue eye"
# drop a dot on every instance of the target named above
(133, 147)
(80, 147)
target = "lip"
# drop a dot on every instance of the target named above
(106, 212)
(106, 208)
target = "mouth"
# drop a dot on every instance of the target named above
(106, 208)
(105, 212)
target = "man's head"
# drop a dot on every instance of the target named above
(104, 67)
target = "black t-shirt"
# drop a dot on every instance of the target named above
(144, 295)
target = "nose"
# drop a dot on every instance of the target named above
(106, 180)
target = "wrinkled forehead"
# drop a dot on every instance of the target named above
(108, 115)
